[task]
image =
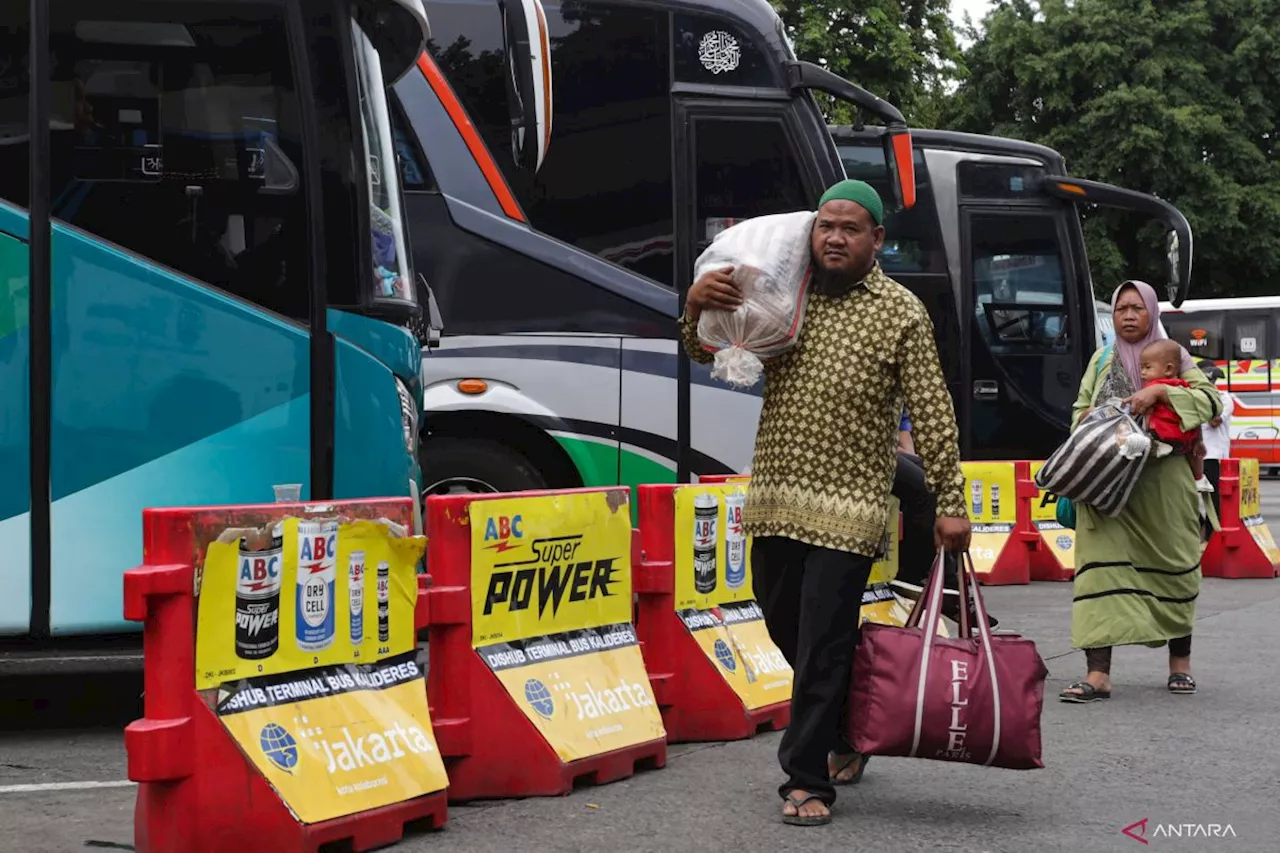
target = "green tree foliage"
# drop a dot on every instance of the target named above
(902, 50)
(1179, 98)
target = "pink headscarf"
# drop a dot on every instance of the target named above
(1130, 354)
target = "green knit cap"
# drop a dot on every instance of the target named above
(858, 192)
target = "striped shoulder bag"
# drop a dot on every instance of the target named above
(1101, 461)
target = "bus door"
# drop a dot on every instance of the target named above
(914, 254)
(749, 142)
(1024, 335)
(735, 161)
(199, 155)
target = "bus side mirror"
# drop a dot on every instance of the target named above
(1179, 278)
(900, 161)
(1178, 246)
(527, 43)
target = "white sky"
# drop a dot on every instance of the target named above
(975, 8)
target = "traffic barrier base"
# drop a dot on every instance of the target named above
(698, 703)
(197, 792)
(491, 745)
(1243, 547)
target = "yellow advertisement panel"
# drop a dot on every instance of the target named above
(551, 617)
(1261, 534)
(1044, 506)
(735, 639)
(1061, 541)
(713, 555)
(338, 740)
(550, 564)
(713, 552)
(881, 606)
(1250, 496)
(304, 593)
(985, 544)
(990, 492)
(586, 693)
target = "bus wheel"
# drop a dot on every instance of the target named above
(453, 466)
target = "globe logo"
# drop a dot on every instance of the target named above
(279, 746)
(1064, 542)
(724, 655)
(539, 698)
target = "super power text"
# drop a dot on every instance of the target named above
(550, 576)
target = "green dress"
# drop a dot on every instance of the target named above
(1138, 574)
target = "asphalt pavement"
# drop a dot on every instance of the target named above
(1184, 763)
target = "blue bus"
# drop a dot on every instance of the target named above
(205, 282)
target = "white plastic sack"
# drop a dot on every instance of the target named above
(770, 257)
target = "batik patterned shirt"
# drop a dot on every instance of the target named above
(826, 445)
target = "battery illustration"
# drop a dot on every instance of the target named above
(258, 598)
(317, 576)
(384, 602)
(735, 541)
(706, 508)
(355, 596)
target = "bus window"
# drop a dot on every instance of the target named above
(711, 51)
(1105, 324)
(187, 157)
(605, 185)
(1018, 282)
(745, 167)
(1200, 333)
(1249, 337)
(1000, 180)
(415, 176)
(912, 238)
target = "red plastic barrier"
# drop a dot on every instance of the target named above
(196, 791)
(1243, 546)
(1050, 546)
(490, 747)
(697, 703)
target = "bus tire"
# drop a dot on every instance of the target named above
(462, 465)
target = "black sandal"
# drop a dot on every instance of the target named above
(1088, 693)
(856, 777)
(798, 819)
(1182, 684)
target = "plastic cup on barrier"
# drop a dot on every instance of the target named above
(288, 493)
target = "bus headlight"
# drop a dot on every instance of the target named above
(408, 417)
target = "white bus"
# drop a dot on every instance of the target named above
(1242, 337)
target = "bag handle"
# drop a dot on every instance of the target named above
(935, 588)
(969, 581)
(924, 603)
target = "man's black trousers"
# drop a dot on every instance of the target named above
(811, 597)
(916, 552)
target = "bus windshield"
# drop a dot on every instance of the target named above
(391, 271)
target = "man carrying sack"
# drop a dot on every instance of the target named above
(823, 468)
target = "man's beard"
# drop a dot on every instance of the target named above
(834, 282)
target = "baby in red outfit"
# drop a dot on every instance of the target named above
(1161, 362)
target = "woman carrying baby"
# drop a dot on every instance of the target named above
(1138, 573)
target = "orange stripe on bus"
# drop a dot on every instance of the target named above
(471, 137)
